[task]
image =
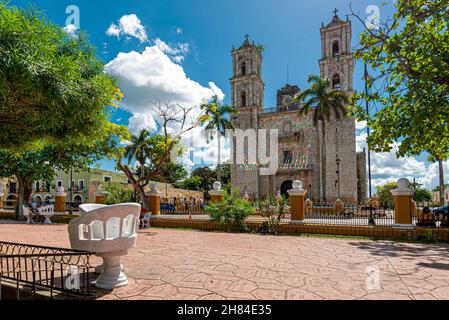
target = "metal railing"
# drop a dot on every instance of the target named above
(50, 268)
(349, 215)
(183, 208)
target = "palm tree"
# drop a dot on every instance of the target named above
(325, 102)
(217, 117)
(138, 149)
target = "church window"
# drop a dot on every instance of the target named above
(287, 156)
(336, 48)
(243, 97)
(336, 84)
(243, 68)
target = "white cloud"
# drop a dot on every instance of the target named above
(359, 125)
(139, 121)
(128, 25)
(176, 52)
(386, 167)
(152, 75)
(179, 30)
(113, 30)
(71, 29)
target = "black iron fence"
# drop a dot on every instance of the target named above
(183, 207)
(38, 267)
(349, 215)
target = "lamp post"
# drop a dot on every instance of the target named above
(338, 177)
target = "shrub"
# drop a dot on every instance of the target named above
(274, 210)
(119, 193)
(231, 211)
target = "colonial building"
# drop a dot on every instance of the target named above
(302, 148)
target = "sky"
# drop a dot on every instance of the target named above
(181, 50)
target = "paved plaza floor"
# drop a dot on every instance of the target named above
(183, 264)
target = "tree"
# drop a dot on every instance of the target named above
(191, 183)
(409, 53)
(53, 88)
(422, 195)
(40, 165)
(326, 103)
(207, 176)
(138, 149)
(385, 196)
(226, 174)
(161, 149)
(217, 119)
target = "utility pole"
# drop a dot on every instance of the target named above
(367, 129)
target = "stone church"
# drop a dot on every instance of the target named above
(301, 150)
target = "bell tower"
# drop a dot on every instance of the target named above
(247, 87)
(337, 61)
(247, 91)
(337, 66)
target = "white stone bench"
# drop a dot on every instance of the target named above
(46, 212)
(109, 231)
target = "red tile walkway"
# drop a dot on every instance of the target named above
(180, 264)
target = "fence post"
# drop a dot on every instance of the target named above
(403, 204)
(217, 195)
(298, 206)
(60, 200)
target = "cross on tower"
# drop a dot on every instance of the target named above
(246, 37)
(335, 11)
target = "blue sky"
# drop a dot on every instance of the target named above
(201, 34)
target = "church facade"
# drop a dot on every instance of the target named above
(329, 167)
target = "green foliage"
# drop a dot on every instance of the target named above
(53, 88)
(411, 85)
(154, 151)
(191, 183)
(119, 193)
(422, 195)
(30, 166)
(384, 193)
(231, 212)
(216, 117)
(324, 101)
(274, 210)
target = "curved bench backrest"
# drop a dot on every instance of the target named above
(101, 224)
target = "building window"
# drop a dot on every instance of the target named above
(107, 178)
(243, 97)
(336, 85)
(37, 186)
(243, 68)
(287, 156)
(59, 183)
(81, 184)
(336, 48)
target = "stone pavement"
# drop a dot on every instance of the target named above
(181, 264)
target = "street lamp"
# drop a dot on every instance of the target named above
(310, 192)
(338, 177)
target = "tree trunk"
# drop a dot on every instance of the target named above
(219, 158)
(441, 176)
(143, 199)
(323, 158)
(320, 161)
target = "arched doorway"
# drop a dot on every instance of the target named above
(285, 186)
